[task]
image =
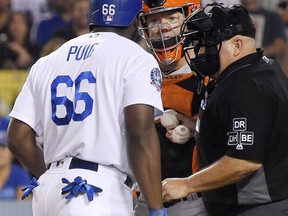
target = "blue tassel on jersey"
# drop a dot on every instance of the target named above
(160, 212)
(29, 188)
(79, 186)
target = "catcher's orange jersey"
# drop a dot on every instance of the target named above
(179, 92)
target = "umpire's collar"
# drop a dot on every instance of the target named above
(241, 63)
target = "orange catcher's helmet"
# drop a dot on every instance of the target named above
(160, 24)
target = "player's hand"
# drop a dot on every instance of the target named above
(174, 188)
(187, 121)
(169, 133)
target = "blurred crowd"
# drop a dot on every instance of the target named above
(271, 21)
(13, 176)
(31, 29)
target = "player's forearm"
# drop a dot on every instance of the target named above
(145, 162)
(33, 161)
(144, 152)
(36, 168)
(22, 143)
(224, 172)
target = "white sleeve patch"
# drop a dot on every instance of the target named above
(240, 136)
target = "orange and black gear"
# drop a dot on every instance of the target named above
(160, 5)
(167, 51)
(182, 93)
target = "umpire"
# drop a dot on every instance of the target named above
(242, 127)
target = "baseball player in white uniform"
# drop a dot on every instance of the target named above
(94, 101)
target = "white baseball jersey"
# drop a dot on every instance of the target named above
(76, 95)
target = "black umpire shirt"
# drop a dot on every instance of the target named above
(245, 115)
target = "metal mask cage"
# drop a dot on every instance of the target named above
(166, 47)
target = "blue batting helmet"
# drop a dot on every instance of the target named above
(113, 13)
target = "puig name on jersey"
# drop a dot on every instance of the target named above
(81, 52)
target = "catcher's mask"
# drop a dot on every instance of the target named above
(205, 31)
(160, 24)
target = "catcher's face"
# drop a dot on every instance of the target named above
(164, 25)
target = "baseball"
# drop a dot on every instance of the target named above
(180, 134)
(168, 119)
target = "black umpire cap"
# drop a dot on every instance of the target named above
(231, 21)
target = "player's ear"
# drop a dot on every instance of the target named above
(135, 32)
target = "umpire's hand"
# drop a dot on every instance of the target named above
(174, 188)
